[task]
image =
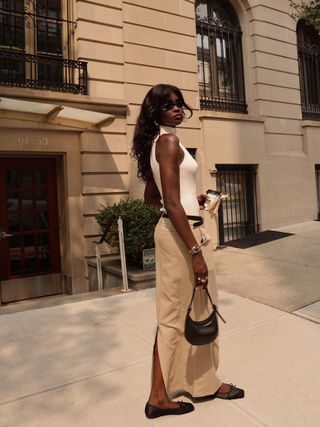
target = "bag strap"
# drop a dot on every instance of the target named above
(209, 296)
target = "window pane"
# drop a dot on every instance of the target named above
(44, 262)
(13, 201)
(27, 179)
(12, 178)
(15, 243)
(13, 221)
(30, 264)
(42, 220)
(43, 241)
(26, 197)
(16, 267)
(49, 8)
(12, 24)
(41, 199)
(49, 27)
(201, 9)
(40, 179)
(29, 243)
(28, 222)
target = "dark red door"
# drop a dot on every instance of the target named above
(29, 239)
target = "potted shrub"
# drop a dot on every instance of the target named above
(139, 221)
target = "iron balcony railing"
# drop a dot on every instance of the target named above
(220, 66)
(36, 47)
(42, 72)
(309, 71)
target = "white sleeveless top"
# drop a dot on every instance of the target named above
(188, 170)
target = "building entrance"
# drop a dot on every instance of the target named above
(29, 231)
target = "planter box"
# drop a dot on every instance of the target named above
(112, 276)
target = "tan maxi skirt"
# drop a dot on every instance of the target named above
(185, 368)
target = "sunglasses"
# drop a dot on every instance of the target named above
(169, 105)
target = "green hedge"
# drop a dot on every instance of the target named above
(139, 221)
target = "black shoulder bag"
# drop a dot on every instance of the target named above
(204, 331)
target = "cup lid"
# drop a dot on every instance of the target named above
(218, 193)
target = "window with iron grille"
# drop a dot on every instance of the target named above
(317, 170)
(36, 46)
(219, 50)
(238, 214)
(309, 69)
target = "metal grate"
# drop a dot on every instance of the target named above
(317, 170)
(238, 214)
(309, 64)
(309, 71)
(220, 66)
(36, 47)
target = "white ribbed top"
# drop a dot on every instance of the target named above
(188, 171)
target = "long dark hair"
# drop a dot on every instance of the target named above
(147, 126)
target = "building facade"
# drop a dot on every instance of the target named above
(73, 75)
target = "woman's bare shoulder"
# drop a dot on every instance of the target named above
(168, 147)
(167, 141)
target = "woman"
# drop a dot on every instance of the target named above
(169, 172)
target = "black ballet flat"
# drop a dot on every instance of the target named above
(155, 412)
(233, 393)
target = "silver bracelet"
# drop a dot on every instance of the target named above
(195, 249)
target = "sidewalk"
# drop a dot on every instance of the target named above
(88, 363)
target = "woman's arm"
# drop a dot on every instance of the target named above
(151, 193)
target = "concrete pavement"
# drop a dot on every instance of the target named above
(284, 273)
(88, 363)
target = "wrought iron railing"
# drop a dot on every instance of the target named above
(42, 72)
(309, 72)
(37, 45)
(238, 214)
(220, 66)
(317, 170)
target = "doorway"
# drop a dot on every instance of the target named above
(29, 229)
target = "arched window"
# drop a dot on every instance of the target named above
(219, 52)
(309, 69)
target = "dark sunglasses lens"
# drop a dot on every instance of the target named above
(169, 105)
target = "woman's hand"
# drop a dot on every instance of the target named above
(202, 198)
(200, 270)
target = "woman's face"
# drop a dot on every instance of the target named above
(172, 112)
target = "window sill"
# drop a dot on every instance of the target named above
(310, 123)
(219, 115)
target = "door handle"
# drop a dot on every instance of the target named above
(4, 235)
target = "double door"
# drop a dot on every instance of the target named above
(29, 231)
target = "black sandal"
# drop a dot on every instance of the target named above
(155, 412)
(233, 393)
